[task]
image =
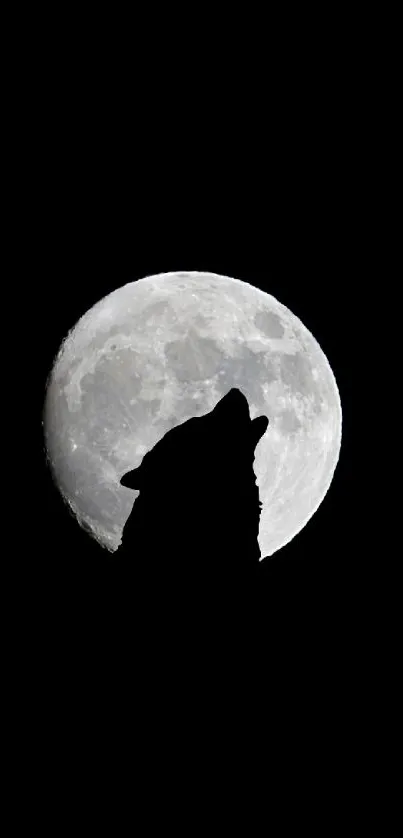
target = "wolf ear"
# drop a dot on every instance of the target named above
(132, 479)
(259, 427)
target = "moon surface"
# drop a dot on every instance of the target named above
(165, 348)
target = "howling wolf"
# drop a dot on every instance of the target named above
(193, 528)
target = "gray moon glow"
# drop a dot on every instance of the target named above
(163, 349)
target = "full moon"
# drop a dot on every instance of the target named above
(158, 351)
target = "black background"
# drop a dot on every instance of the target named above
(259, 152)
(264, 190)
(120, 184)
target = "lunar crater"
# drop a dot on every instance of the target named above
(193, 358)
(269, 323)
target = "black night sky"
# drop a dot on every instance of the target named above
(249, 163)
(281, 225)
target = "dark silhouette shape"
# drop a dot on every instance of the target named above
(191, 539)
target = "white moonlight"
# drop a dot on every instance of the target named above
(163, 349)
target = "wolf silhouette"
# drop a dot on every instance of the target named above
(192, 532)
